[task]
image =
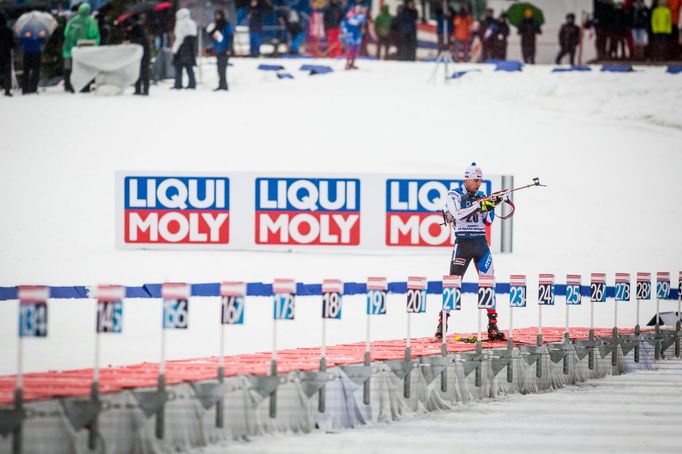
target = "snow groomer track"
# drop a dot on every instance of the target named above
(136, 413)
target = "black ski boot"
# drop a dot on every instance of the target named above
(439, 328)
(494, 332)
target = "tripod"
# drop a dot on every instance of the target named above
(444, 57)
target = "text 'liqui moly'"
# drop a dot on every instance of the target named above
(413, 216)
(182, 210)
(308, 211)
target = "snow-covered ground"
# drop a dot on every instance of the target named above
(609, 146)
(632, 413)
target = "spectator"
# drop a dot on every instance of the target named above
(32, 49)
(80, 28)
(603, 10)
(661, 28)
(618, 30)
(295, 31)
(407, 32)
(135, 33)
(6, 46)
(332, 28)
(256, 18)
(674, 6)
(184, 48)
(382, 29)
(221, 37)
(463, 23)
(443, 22)
(501, 33)
(352, 27)
(528, 30)
(640, 23)
(569, 37)
(486, 31)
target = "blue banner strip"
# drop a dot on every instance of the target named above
(262, 289)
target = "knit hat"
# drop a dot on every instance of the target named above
(473, 172)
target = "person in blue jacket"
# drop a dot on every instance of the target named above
(32, 48)
(221, 32)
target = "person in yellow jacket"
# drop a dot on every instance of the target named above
(82, 27)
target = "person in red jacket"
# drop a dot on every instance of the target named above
(463, 23)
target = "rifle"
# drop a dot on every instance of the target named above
(504, 193)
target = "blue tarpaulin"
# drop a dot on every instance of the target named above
(617, 69)
(317, 69)
(572, 68)
(506, 65)
(674, 69)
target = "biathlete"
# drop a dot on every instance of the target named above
(469, 218)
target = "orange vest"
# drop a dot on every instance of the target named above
(463, 27)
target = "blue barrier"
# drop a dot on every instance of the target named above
(617, 69)
(317, 69)
(579, 68)
(262, 289)
(674, 69)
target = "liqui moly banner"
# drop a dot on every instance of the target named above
(413, 216)
(371, 213)
(307, 211)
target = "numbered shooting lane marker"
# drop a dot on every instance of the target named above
(332, 296)
(377, 288)
(545, 298)
(232, 305)
(232, 298)
(109, 317)
(486, 298)
(452, 293)
(109, 308)
(573, 296)
(622, 293)
(32, 321)
(452, 301)
(517, 297)
(175, 297)
(284, 305)
(662, 285)
(416, 300)
(597, 293)
(33, 310)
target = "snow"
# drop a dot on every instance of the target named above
(628, 413)
(608, 146)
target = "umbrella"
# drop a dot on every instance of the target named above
(34, 24)
(517, 12)
(142, 8)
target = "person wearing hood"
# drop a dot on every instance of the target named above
(256, 17)
(135, 33)
(80, 28)
(221, 33)
(184, 48)
(6, 46)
